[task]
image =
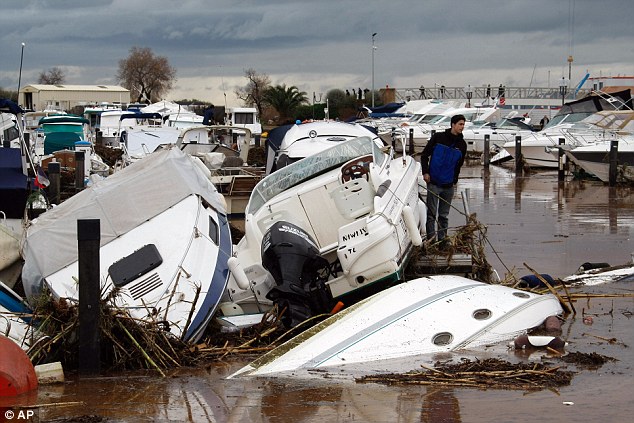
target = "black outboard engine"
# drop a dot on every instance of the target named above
(292, 258)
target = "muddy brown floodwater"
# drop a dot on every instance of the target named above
(529, 220)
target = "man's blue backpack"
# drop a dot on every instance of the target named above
(442, 166)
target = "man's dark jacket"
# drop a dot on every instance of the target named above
(446, 138)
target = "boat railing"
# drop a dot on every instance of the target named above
(487, 92)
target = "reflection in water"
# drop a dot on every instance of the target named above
(288, 404)
(440, 405)
(486, 177)
(612, 210)
(519, 186)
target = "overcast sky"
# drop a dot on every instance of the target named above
(319, 45)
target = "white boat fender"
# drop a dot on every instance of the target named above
(238, 273)
(412, 228)
(527, 341)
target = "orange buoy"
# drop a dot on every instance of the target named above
(17, 374)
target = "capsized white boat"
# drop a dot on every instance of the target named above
(338, 225)
(427, 315)
(164, 243)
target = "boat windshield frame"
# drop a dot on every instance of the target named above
(312, 166)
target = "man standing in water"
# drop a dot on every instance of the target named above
(441, 161)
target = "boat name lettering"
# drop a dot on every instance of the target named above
(358, 232)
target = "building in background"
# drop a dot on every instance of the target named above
(65, 97)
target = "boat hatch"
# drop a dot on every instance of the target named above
(521, 295)
(135, 265)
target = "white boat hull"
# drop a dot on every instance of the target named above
(164, 243)
(595, 159)
(427, 315)
(190, 261)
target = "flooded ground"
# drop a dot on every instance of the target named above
(529, 220)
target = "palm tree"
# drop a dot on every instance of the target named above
(284, 99)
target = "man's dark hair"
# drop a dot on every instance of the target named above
(457, 118)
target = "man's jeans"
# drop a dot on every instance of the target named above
(438, 204)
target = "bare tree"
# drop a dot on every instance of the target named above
(52, 76)
(147, 76)
(252, 93)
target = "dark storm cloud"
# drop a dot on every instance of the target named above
(308, 38)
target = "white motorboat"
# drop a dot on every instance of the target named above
(435, 314)
(577, 123)
(439, 119)
(499, 133)
(338, 225)
(164, 243)
(594, 158)
(290, 143)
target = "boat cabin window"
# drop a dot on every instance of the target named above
(214, 231)
(312, 166)
(243, 118)
(11, 133)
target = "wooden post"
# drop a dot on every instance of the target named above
(561, 175)
(79, 170)
(411, 141)
(54, 177)
(614, 162)
(88, 239)
(518, 155)
(487, 150)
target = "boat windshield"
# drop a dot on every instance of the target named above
(567, 118)
(311, 166)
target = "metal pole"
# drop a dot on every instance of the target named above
(411, 141)
(487, 150)
(20, 73)
(614, 151)
(88, 240)
(373, 48)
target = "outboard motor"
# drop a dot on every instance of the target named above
(292, 258)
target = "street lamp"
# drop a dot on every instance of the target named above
(20, 73)
(563, 88)
(373, 48)
(469, 92)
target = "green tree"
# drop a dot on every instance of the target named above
(252, 94)
(312, 111)
(340, 105)
(148, 77)
(9, 94)
(285, 99)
